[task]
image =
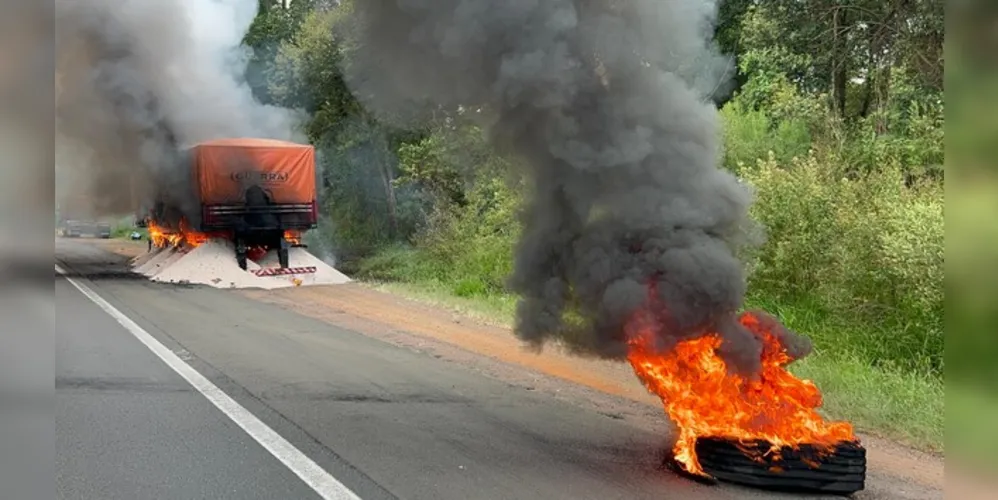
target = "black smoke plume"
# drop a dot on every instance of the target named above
(608, 104)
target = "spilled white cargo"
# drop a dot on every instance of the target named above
(214, 264)
(141, 260)
(155, 263)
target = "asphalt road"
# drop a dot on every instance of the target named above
(384, 421)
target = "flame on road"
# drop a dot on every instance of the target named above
(703, 399)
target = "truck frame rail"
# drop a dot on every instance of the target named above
(300, 216)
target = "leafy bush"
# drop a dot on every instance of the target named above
(860, 251)
(769, 116)
(853, 213)
(750, 135)
(474, 243)
(868, 249)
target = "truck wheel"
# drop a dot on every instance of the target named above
(241, 252)
(282, 257)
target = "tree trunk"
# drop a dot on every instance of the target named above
(869, 86)
(388, 181)
(840, 60)
(883, 100)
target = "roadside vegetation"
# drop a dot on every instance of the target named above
(124, 228)
(836, 121)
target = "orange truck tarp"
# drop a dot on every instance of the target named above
(225, 168)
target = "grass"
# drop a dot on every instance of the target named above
(902, 406)
(496, 310)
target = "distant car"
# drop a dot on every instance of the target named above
(71, 229)
(135, 236)
(75, 229)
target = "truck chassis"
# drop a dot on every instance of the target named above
(260, 226)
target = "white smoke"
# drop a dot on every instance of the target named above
(137, 79)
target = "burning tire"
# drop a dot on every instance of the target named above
(841, 470)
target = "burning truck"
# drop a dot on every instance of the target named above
(260, 194)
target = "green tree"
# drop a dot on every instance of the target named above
(273, 25)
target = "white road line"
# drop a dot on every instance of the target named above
(316, 477)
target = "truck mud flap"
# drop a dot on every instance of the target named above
(276, 271)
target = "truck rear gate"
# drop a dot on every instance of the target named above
(293, 216)
(255, 189)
